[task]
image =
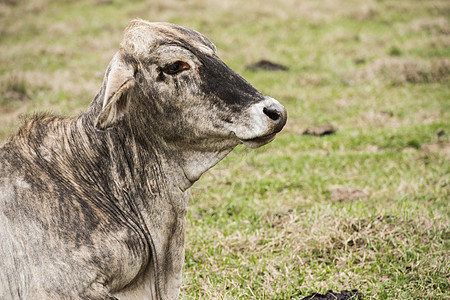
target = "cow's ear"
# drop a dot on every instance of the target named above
(119, 82)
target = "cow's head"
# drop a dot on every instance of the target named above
(170, 79)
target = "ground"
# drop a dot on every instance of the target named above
(364, 207)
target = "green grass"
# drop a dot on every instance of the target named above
(365, 208)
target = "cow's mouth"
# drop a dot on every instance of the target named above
(259, 141)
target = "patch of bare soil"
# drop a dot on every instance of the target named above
(320, 130)
(330, 295)
(345, 194)
(266, 65)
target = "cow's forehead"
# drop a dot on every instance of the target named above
(140, 37)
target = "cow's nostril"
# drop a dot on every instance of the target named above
(272, 113)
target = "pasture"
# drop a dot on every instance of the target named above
(365, 207)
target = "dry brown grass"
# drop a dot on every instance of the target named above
(345, 193)
(441, 41)
(405, 70)
(348, 244)
(438, 25)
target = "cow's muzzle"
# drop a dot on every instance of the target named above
(268, 118)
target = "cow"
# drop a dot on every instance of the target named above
(93, 206)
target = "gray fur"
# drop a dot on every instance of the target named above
(93, 206)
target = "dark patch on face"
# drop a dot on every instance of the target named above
(226, 85)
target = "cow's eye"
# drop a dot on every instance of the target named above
(176, 67)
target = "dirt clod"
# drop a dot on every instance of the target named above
(266, 65)
(320, 130)
(330, 295)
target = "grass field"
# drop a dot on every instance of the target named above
(364, 208)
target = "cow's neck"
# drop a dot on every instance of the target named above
(146, 183)
(141, 164)
(194, 163)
